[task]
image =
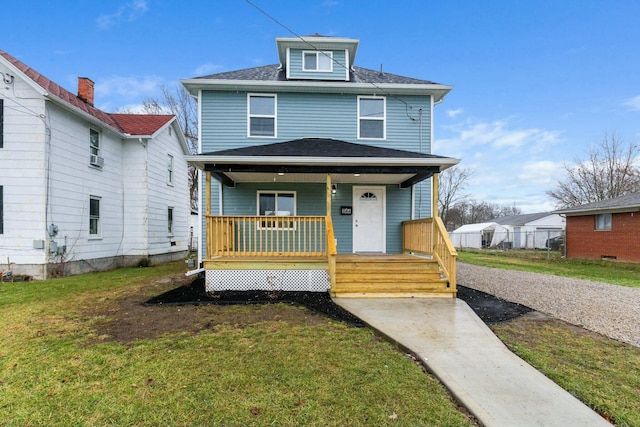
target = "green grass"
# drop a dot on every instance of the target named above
(600, 371)
(53, 371)
(617, 273)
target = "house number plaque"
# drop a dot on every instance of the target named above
(345, 210)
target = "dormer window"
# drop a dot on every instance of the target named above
(317, 61)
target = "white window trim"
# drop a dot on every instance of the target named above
(383, 118)
(170, 169)
(171, 224)
(275, 115)
(98, 235)
(276, 192)
(318, 53)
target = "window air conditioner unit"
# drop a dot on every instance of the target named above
(96, 161)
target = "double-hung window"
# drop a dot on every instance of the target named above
(170, 221)
(94, 148)
(94, 216)
(317, 61)
(262, 116)
(169, 169)
(277, 204)
(371, 117)
(603, 221)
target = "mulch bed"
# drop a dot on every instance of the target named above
(488, 307)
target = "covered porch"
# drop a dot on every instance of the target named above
(285, 251)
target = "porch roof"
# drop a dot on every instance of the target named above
(311, 159)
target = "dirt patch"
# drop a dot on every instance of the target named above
(182, 305)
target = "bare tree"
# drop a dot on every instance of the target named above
(178, 101)
(451, 184)
(611, 170)
(472, 212)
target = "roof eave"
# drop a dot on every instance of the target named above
(200, 161)
(90, 118)
(437, 90)
(592, 211)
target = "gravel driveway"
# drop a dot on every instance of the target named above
(610, 310)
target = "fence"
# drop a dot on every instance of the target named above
(552, 239)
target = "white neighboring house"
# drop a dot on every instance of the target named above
(478, 235)
(530, 231)
(84, 190)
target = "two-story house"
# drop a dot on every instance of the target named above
(319, 175)
(84, 190)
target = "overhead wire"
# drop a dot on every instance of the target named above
(311, 45)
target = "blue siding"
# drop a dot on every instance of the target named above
(300, 115)
(224, 120)
(295, 69)
(310, 200)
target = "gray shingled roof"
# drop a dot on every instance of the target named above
(518, 220)
(275, 73)
(628, 202)
(321, 147)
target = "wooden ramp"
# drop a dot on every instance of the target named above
(385, 276)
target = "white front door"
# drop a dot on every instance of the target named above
(369, 219)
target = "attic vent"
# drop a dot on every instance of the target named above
(96, 161)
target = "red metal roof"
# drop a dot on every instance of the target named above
(141, 124)
(133, 124)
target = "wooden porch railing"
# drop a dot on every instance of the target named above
(429, 236)
(281, 236)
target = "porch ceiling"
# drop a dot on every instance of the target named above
(340, 178)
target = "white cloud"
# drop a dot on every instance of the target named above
(511, 165)
(454, 113)
(497, 136)
(634, 103)
(542, 172)
(129, 12)
(118, 90)
(205, 69)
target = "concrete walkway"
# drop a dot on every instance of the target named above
(496, 386)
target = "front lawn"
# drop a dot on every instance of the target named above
(61, 364)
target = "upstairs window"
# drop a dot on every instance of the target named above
(262, 116)
(94, 216)
(603, 221)
(371, 117)
(1, 122)
(317, 61)
(94, 148)
(169, 169)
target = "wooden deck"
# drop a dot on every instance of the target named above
(358, 275)
(384, 276)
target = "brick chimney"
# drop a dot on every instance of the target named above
(85, 90)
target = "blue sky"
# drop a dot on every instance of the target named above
(535, 82)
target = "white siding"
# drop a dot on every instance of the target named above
(47, 179)
(22, 174)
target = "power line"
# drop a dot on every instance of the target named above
(330, 57)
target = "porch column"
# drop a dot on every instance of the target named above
(208, 193)
(434, 189)
(328, 194)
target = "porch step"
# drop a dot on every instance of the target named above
(393, 275)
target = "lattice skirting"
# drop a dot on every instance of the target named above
(267, 280)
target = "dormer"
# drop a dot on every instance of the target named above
(317, 57)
